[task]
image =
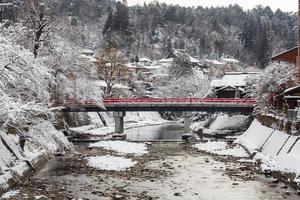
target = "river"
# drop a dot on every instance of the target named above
(171, 170)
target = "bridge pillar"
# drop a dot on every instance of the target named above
(119, 121)
(187, 121)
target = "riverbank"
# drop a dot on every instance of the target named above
(166, 171)
(18, 162)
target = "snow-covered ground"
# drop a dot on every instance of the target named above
(223, 124)
(10, 194)
(122, 147)
(110, 163)
(222, 148)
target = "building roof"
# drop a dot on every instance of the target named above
(234, 79)
(229, 60)
(291, 90)
(289, 56)
(174, 53)
(214, 62)
(145, 60)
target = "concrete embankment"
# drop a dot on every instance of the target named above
(23, 151)
(275, 150)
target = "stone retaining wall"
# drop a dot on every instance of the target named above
(280, 123)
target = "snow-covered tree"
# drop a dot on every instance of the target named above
(184, 87)
(275, 79)
(24, 84)
(181, 66)
(35, 15)
(110, 67)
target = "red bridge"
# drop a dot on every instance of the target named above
(163, 104)
(185, 105)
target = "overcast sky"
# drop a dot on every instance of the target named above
(285, 5)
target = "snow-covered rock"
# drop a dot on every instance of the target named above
(222, 148)
(223, 124)
(122, 147)
(110, 163)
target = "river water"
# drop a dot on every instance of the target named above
(169, 171)
(169, 132)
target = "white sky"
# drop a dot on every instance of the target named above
(285, 5)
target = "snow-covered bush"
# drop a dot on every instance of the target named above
(184, 87)
(276, 78)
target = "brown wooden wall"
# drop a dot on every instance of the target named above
(288, 56)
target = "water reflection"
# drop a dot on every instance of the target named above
(169, 132)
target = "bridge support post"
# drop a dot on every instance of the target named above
(119, 121)
(187, 121)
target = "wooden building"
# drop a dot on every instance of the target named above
(289, 56)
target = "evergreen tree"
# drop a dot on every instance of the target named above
(108, 23)
(181, 66)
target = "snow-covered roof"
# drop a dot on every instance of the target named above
(229, 60)
(214, 62)
(229, 86)
(235, 80)
(90, 58)
(87, 51)
(291, 89)
(116, 86)
(194, 60)
(145, 60)
(166, 60)
(292, 97)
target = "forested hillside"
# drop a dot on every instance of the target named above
(150, 30)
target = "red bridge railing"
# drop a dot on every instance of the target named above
(108, 101)
(177, 100)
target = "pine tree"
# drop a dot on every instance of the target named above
(108, 23)
(181, 66)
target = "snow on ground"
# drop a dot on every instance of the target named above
(276, 150)
(10, 194)
(110, 163)
(122, 147)
(222, 125)
(222, 148)
(226, 122)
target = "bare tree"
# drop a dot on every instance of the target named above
(36, 17)
(110, 67)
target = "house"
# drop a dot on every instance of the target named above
(288, 99)
(232, 84)
(87, 52)
(289, 56)
(230, 61)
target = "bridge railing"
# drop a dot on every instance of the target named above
(110, 101)
(178, 100)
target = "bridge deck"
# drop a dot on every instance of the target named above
(165, 104)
